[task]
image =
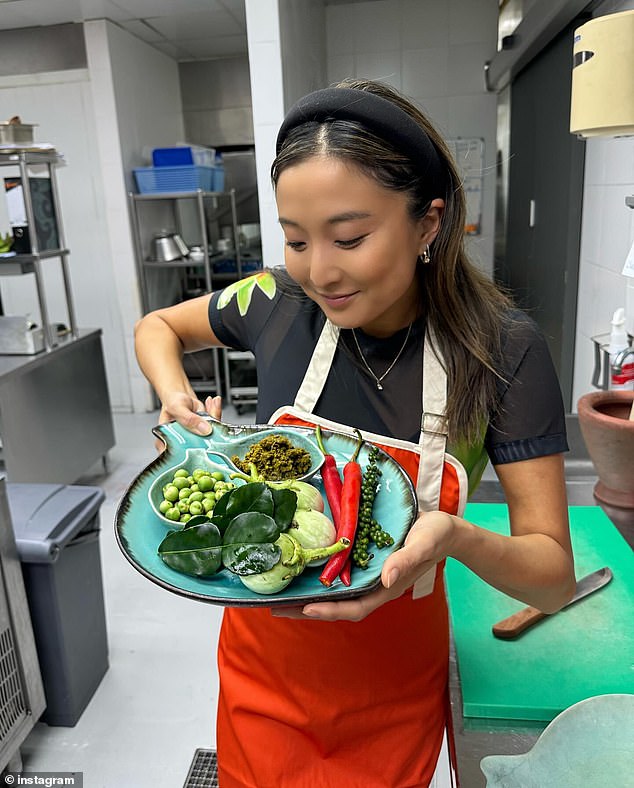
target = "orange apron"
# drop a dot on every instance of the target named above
(314, 704)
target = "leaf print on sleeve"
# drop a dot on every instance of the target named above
(243, 290)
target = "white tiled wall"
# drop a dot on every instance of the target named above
(265, 65)
(286, 60)
(432, 51)
(303, 45)
(61, 103)
(606, 238)
(137, 106)
(607, 234)
(435, 53)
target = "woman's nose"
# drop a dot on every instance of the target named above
(322, 271)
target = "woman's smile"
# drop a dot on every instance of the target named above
(337, 301)
(351, 244)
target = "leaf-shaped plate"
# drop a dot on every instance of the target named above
(139, 530)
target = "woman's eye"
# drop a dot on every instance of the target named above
(351, 243)
(297, 246)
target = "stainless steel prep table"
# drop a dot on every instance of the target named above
(55, 417)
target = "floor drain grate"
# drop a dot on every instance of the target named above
(203, 773)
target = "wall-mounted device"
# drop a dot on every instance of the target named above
(602, 97)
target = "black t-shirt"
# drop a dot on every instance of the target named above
(281, 325)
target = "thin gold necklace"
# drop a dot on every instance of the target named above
(389, 369)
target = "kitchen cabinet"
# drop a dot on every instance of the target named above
(199, 218)
(55, 416)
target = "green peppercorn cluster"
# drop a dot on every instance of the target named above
(368, 529)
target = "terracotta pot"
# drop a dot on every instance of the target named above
(608, 433)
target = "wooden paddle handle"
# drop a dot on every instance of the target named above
(514, 625)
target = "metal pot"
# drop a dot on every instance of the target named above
(167, 247)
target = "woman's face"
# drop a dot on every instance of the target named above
(352, 245)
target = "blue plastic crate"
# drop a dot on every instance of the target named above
(219, 179)
(157, 180)
(172, 157)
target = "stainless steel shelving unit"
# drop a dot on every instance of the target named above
(196, 364)
(21, 264)
(238, 395)
(202, 200)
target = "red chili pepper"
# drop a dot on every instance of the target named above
(331, 479)
(345, 572)
(350, 498)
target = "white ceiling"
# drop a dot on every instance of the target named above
(182, 29)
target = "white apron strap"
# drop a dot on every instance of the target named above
(433, 428)
(433, 443)
(318, 368)
(433, 436)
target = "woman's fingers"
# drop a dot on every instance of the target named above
(186, 410)
(213, 406)
(425, 546)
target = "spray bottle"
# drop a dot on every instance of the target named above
(623, 377)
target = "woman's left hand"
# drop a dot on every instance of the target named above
(428, 542)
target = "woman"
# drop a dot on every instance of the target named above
(378, 322)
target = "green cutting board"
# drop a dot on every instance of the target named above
(582, 651)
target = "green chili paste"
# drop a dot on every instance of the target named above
(275, 458)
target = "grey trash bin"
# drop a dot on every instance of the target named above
(57, 535)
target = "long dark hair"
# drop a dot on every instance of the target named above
(465, 309)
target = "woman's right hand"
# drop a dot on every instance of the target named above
(186, 409)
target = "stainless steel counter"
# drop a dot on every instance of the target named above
(475, 738)
(55, 417)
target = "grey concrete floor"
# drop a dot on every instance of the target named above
(157, 702)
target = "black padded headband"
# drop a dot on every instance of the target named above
(379, 115)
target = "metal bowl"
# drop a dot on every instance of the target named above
(167, 247)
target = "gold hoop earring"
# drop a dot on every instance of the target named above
(425, 257)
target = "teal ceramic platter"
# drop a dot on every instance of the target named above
(140, 528)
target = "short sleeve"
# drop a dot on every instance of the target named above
(239, 313)
(530, 419)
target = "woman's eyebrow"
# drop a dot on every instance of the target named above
(348, 216)
(288, 222)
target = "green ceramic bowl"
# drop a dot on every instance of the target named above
(139, 529)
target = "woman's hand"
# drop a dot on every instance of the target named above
(186, 409)
(428, 542)
(534, 564)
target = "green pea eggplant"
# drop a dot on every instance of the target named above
(292, 562)
(313, 529)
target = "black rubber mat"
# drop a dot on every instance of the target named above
(203, 772)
